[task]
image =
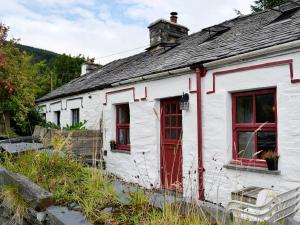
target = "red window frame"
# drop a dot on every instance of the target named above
(122, 108)
(251, 127)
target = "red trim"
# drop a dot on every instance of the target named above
(200, 72)
(146, 95)
(190, 87)
(288, 62)
(122, 126)
(124, 90)
(236, 127)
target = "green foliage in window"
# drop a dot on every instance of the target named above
(76, 126)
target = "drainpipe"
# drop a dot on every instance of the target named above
(200, 72)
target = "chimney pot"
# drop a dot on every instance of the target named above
(173, 17)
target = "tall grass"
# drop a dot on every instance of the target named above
(73, 184)
(12, 199)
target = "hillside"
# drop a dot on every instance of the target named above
(39, 54)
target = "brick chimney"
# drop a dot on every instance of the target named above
(164, 33)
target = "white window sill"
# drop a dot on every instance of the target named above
(252, 169)
(120, 151)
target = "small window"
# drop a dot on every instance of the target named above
(123, 127)
(57, 117)
(75, 116)
(254, 126)
(43, 116)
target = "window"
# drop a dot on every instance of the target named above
(123, 128)
(75, 116)
(254, 125)
(43, 116)
(57, 118)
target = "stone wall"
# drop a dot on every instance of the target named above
(84, 143)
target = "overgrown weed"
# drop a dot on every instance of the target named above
(12, 199)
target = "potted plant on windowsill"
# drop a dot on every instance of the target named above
(271, 158)
(113, 145)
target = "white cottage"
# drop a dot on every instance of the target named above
(241, 82)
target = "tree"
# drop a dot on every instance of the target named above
(3, 35)
(260, 5)
(21, 81)
(66, 68)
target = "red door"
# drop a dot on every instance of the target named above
(171, 149)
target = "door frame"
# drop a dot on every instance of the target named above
(161, 130)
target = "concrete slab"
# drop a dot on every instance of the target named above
(20, 147)
(38, 198)
(63, 216)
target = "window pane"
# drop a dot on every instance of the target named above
(266, 141)
(265, 108)
(173, 121)
(167, 133)
(120, 115)
(244, 109)
(126, 112)
(57, 117)
(245, 145)
(75, 116)
(167, 109)
(173, 108)
(167, 121)
(127, 137)
(174, 134)
(122, 136)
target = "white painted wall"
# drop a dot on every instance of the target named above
(142, 165)
(217, 128)
(90, 109)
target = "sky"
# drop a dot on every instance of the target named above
(106, 29)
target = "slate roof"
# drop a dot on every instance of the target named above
(239, 35)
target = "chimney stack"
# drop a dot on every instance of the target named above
(164, 33)
(173, 17)
(88, 67)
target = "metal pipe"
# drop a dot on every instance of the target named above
(200, 72)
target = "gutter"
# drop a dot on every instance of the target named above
(253, 54)
(153, 76)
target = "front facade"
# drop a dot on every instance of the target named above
(238, 108)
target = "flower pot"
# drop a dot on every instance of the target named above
(272, 164)
(112, 145)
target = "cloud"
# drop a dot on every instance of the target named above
(100, 28)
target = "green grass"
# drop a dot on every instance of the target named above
(68, 180)
(71, 183)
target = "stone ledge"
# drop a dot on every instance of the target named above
(38, 198)
(252, 169)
